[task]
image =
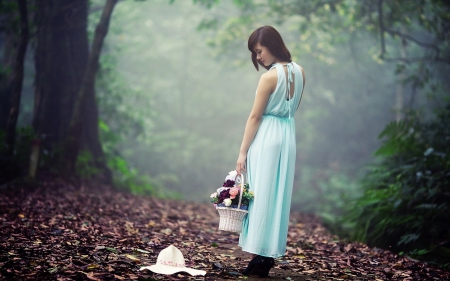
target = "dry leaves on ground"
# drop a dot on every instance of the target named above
(55, 231)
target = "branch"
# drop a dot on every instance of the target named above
(382, 29)
(17, 79)
(436, 57)
(410, 38)
(72, 141)
(300, 10)
(411, 60)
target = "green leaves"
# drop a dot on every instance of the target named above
(399, 136)
(407, 191)
(111, 250)
(207, 3)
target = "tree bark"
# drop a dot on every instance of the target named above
(61, 56)
(72, 143)
(381, 23)
(91, 140)
(17, 79)
(9, 43)
(399, 108)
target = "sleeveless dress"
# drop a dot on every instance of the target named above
(270, 169)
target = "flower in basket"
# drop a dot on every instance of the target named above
(234, 191)
(227, 202)
(231, 176)
(228, 194)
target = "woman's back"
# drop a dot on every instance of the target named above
(284, 101)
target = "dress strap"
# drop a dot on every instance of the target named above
(290, 79)
(290, 74)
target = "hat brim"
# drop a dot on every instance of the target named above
(167, 269)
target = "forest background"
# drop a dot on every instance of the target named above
(175, 85)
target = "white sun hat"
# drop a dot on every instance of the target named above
(170, 261)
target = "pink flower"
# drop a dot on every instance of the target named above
(234, 191)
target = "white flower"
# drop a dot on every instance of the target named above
(227, 202)
(214, 195)
(220, 189)
(231, 176)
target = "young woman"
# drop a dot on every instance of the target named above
(268, 150)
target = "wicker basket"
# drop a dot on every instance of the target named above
(231, 218)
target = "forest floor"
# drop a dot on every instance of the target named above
(56, 231)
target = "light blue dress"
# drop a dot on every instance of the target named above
(270, 169)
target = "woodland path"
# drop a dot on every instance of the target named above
(56, 231)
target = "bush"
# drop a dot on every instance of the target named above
(16, 165)
(85, 166)
(406, 200)
(324, 191)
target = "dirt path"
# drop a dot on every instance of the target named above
(58, 232)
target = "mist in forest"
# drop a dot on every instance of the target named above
(194, 100)
(152, 98)
(176, 95)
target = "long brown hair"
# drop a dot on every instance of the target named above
(268, 37)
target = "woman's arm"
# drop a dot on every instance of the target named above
(266, 86)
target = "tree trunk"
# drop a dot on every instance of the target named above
(399, 108)
(17, 79)
(9, 42)
(91, 140)
(61, 58)
(86, 93)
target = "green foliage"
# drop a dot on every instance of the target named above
(400, 138)
(247, 196)
(206, 3)
(24, 135)
(406, 198)
(335, 194)
(128, 178)
(124, 176)
(326, 193)
(17, 165)
(131, 179)
(120, 121)
(10, 9)
(85, 166)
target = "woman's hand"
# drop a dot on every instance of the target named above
(240, 164)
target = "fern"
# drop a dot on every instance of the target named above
(406, 198)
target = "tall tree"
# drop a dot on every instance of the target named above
(17, 79)
(9, 41)
(62, 55)
(86, 92)
(60, 59)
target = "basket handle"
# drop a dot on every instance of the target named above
(242, 188)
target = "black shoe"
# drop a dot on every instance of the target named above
(260, 266)
(252, 264)
(262, 270)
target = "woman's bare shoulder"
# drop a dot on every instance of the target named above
(269, 80)
(301, 69)
(270, 76)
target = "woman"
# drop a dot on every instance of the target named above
(268, 150)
